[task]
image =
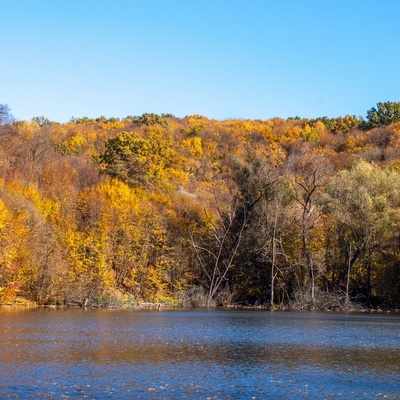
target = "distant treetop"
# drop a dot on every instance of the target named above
(6, 117)
(147, 119)
(386, 113)
(42, 121)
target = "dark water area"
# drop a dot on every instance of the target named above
(218, 354)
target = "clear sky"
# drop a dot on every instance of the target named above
(219, 58)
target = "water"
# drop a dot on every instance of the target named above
(121, 354)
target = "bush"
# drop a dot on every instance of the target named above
(196, 297)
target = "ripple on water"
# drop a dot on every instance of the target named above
(196, 354)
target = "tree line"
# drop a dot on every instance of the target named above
(296, 213)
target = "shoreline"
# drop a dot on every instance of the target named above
(168, 306)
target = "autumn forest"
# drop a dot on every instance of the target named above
(282, 213)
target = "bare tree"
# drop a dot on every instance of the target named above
(310, 174)
(216, 257)
(6, 117)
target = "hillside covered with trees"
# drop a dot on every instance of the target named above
(294, 213)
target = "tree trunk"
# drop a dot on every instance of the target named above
(273, 258)
(348, 278)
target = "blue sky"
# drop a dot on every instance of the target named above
(219, 58)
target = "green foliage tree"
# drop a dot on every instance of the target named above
(136, 160)
(125, 158)
(42, 121)
(386, 113)
(148, 119)
(366, 214)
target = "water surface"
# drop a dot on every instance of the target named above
(219, 354)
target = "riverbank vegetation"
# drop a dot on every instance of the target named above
(294, 213)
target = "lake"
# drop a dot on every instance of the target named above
(197, 354)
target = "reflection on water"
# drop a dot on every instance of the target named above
(198, 354)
